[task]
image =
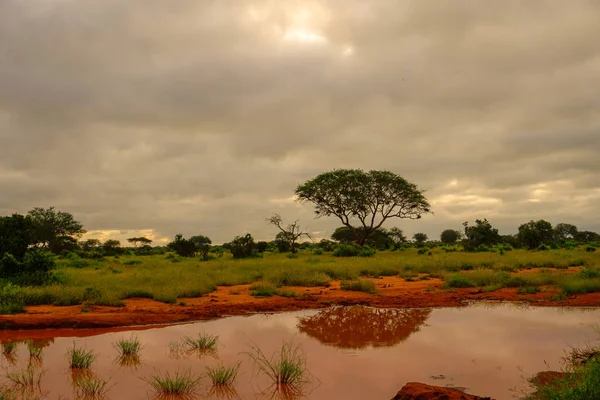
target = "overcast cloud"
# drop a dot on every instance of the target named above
(201, 117)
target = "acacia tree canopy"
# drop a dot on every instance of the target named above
(363, 201)
(51, 228)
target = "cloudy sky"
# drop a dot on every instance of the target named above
(157, 117)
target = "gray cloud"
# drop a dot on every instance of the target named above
(202, 117)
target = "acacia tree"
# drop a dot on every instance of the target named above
(363, 201)
(52, 228)
(290, 233)
(136, 240)
(202, 245)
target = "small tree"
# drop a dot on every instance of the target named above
(564, 231)
(363, 201)
(535, 233)
(242, 246)
(420, 239)
(183, 247)
(450, 236)
(290, 233)
(482, 234)
(91, 245)
(112, 246)
(202, 244)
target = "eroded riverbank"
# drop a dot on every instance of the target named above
(393, 292)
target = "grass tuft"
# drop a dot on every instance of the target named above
(223, 375)
(128, 347)
(80, 358)
(179, 384)
(359, 285)
(203, 342)
(286, 367)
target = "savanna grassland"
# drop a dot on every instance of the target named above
(166, 278)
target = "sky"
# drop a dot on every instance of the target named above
(154, 117)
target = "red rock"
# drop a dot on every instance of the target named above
(421, 391)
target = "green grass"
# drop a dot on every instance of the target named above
(285, 367)
(178, 384)
(580, 383)
(128, 347)
(359, 285)
(223, 375)
(203, 342)
(263, 289)
(80, 358)
(159, 279)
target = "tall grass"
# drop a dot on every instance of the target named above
(80, 358)
(160, 279)
(359, 285)
(223, 375)
(128, 347)
(203, 342)
(285, 367)
(583, 383)
(177, 384)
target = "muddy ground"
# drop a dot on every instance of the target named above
(236, 300)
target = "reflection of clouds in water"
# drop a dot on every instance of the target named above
(467, 345)
(358, 327)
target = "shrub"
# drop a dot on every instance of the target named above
(318, 252)
(12, 299)
(263, 289)
(459, 281)
(590, 249)
(242, 246)
(346, 250)
(366, 251)
(359, 285)
(132, 262)
(543, 247)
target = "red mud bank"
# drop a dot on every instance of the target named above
(394, 292)
(421, 391)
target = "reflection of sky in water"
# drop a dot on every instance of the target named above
(489, 349)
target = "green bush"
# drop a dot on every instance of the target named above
(12, 299)
(346, 250)
(366, 251)
(543, 247)
(318, 252)
(590, 249)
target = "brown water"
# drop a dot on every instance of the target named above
(352, 352)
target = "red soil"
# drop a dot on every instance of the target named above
(394, 292)
(421, 391)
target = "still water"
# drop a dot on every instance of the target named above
(352, 352)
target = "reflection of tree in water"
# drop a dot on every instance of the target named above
(358, 327)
